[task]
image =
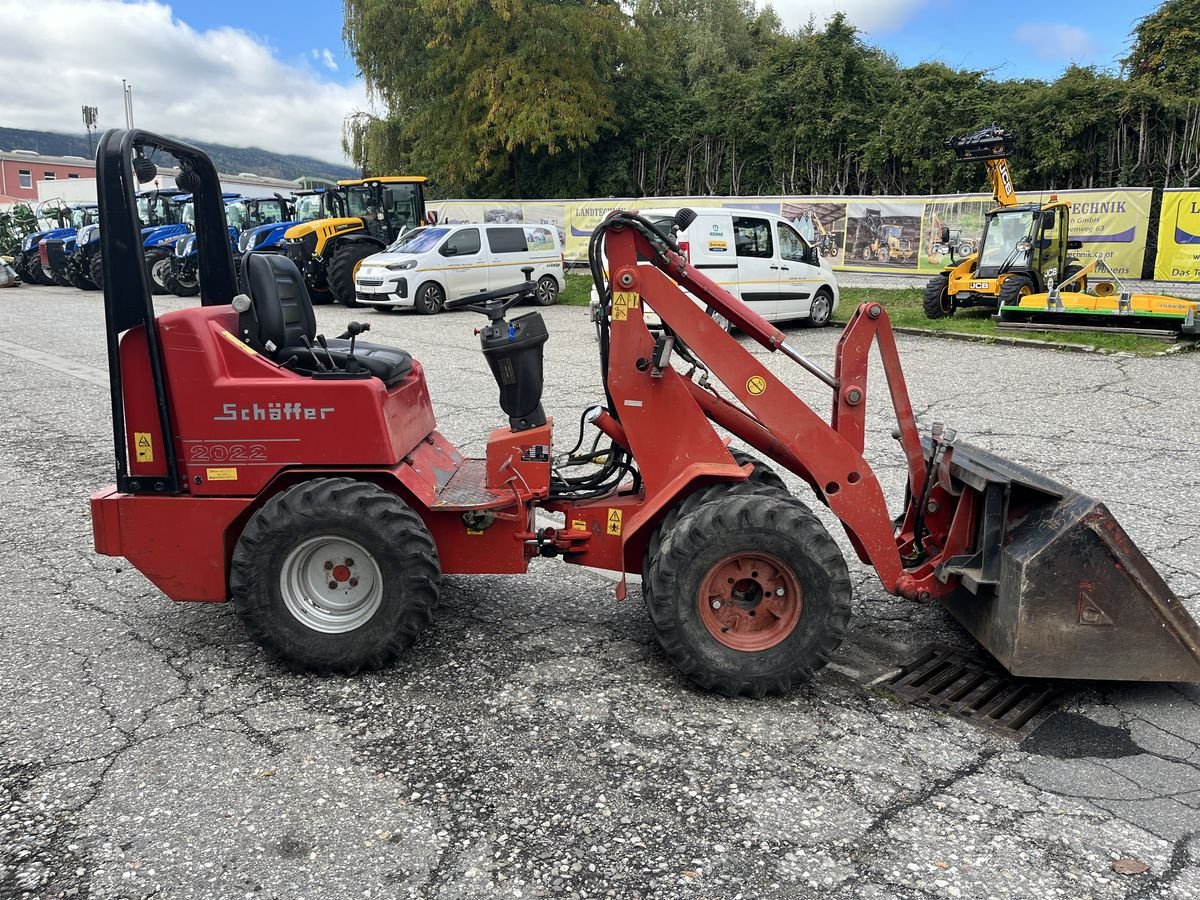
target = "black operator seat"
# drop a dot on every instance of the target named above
(286, 318)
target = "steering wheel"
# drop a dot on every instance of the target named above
(494, 304)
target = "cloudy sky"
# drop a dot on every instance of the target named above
(277, 76)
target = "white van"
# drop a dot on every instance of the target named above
(758, 257)
(427, 266)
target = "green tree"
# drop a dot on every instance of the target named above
(472, 88)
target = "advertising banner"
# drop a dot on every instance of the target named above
(1178, 256)
(887, 234)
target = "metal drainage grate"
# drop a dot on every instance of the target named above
(966, 687)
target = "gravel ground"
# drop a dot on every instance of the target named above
(535, 743)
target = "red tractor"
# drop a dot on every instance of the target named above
(305, 477)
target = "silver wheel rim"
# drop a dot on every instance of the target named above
(158, 271)
(429, 298)
(309, 570)
(547, 291)
(820, 309)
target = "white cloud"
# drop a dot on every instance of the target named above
(1058, 42)
(868, 15)
(328, 60)
(221, 85)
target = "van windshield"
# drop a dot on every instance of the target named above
(419, 240)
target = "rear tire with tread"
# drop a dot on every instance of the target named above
(342, 268)
(157, 261)
(699, 542)
(394, 536)
(96, 270)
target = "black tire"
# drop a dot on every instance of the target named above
(396, 543)
(885, 254)
(158, 260)
(763, 480)
(96, 269)
(321, 296)
(1070, 272)
(1014, 288)
(821, 310)
(21, 264)
(546, 293)
(429, 298)
(76, 276)
(177, 285)
(794, 541)
(36, 270)
(937, 301)
(342, 268)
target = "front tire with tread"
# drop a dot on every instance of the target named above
(398, 542)
(786, 530)
(343, 267)
(937, 301)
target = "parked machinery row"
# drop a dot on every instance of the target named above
(327, 232)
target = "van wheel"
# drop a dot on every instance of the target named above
(820, 310)
(429, 299)
(547, 291)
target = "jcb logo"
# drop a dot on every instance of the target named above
(1006, 180)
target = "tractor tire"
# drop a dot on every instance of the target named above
(749, 595)
(38, 273)
(21, 266)
(344, 266)
(763, 480)
(1070, 272)
(821, 310)
(158, 261)
(320, 296)
(885, 254)
(1014, 288)
(178, 286)
(96, 270)
(366, 542)
(76, 275)
(547, 291)
(429, 298)
(937, 301)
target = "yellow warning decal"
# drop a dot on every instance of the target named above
(578, 525)
(222, 475)
(143, 445)
(756, 385)
(232, 338)
(614, 521)
(623, 302)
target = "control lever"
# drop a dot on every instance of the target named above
(313, 350)
(325, 346)
(353, 330)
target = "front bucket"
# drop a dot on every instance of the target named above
(1073, 597)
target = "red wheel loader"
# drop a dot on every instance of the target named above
(305, 479)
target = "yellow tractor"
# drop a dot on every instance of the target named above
(373, 213)
(1024, 249)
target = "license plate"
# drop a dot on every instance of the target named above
(980, 285)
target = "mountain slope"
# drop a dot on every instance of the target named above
(230, 160)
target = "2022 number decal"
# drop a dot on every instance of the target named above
(227, 453)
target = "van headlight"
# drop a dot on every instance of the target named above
(401, 266)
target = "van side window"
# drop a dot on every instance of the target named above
(792, 246)
(464, 243)
(752, 237)
(507, 240)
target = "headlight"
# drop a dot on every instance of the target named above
(87, 234)
(29, 242)
(244, 241)
(401, 266)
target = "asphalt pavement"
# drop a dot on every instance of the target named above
(535, 742)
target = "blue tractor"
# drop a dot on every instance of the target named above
(84, 265)
(56, 250)
(55, 219)
(243, 216)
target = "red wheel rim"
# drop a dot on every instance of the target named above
(750, 601)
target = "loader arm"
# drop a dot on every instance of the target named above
(1000, 178)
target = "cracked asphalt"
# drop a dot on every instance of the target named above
(535, 743)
